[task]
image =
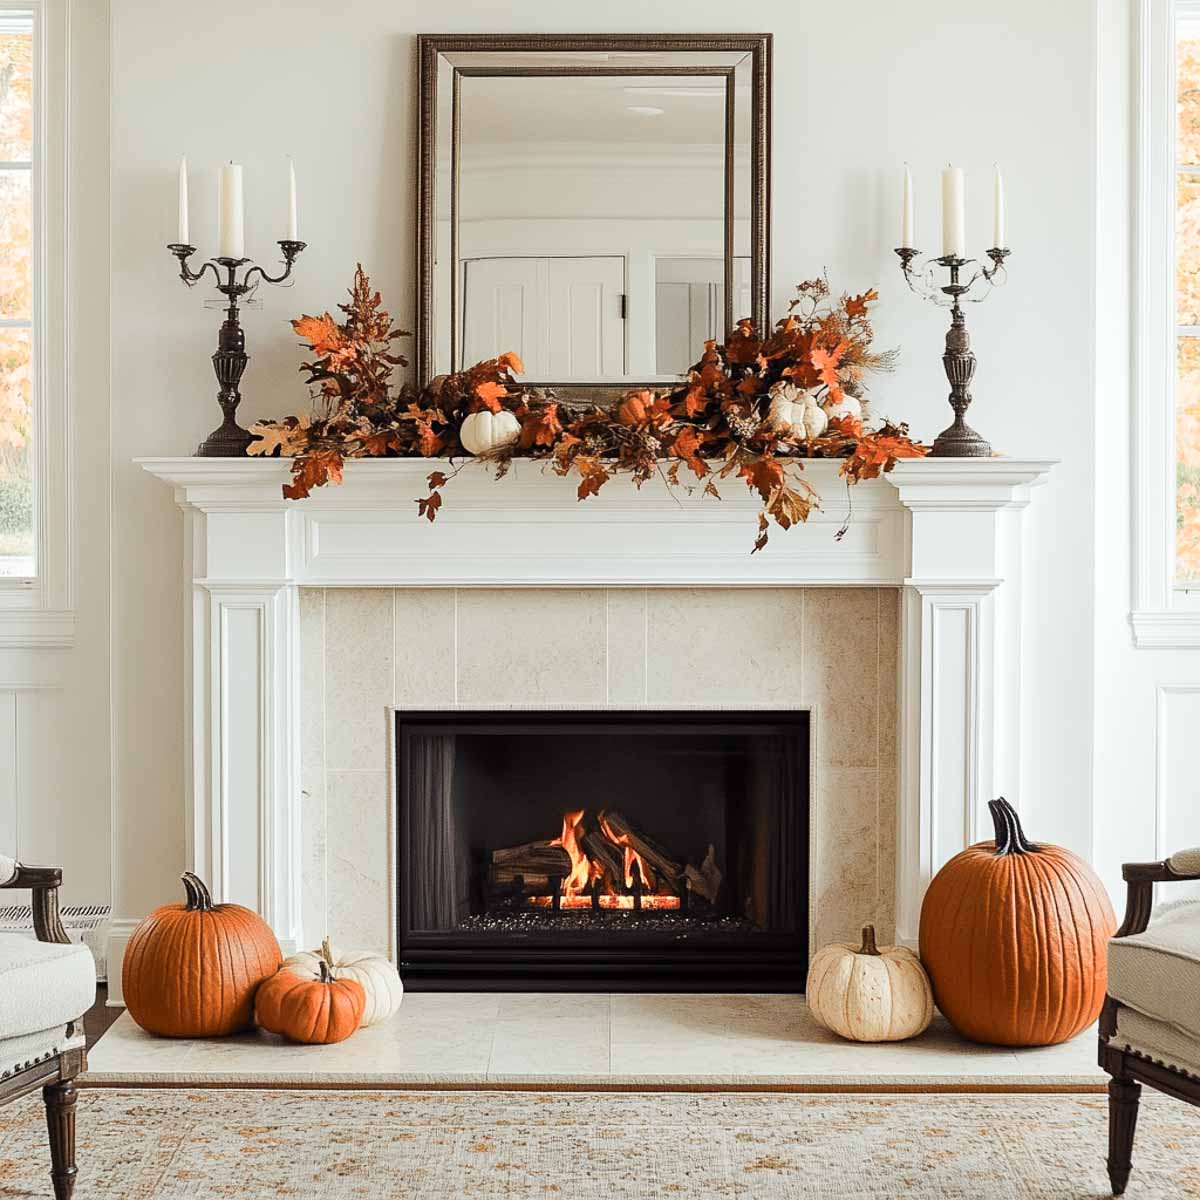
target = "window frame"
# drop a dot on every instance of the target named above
(1165, 612)
(38, 610)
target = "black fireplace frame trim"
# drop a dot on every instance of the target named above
(441, 962)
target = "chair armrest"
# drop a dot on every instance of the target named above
(1141, 878)
(44, 883)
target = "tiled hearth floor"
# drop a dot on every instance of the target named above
(469, 1039)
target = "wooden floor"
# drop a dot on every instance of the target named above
(99, 1017)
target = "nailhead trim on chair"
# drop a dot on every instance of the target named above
(31, 1063)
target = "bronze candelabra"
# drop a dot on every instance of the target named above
(229, 361)
(959, 440)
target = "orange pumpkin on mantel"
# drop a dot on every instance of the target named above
(191, 970)
(1015, 939)
(311, 1004)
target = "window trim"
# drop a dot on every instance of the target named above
(39, 611)
(1164, 613)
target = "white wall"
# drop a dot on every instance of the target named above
(853, 98)
(55, 764)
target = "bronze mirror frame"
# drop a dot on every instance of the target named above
(430, 46)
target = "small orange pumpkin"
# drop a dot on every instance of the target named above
(191, 970)
(1015, 939)
(317, 1007)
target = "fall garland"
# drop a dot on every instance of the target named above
(753, 407)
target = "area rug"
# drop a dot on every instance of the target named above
(168, 1144)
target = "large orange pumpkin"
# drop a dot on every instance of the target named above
(191, 970)
(308, 1004)
(1015, 939)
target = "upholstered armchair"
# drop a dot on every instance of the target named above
(1150, 1023)
(46, 985)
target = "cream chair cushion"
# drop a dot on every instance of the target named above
(1158, 972)
(8, 868)
(42, 984)
(17, 1053)
(1157, 1041)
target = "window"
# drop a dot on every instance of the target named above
(1187, 298)
(17, 307)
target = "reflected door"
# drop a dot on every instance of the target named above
(563, 316)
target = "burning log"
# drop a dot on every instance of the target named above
(533, 858)
(531, 881)
(605, 854)
(705, 880)
(619, 830)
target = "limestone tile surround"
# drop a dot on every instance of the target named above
(834, 650)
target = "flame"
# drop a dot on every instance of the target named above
(631, 857)
(581, 867)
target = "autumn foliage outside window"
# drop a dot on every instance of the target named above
(16, 294)
(1187, 306)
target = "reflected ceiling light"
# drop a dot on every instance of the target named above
(646, 110)
(707, 93)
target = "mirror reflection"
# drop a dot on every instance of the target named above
(593, 212)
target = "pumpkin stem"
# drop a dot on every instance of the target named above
(327, 961)
(199, 899)
(868, 942)
(1010, 837)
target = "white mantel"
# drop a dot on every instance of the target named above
(947, 531)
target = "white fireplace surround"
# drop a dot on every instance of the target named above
(948, 532)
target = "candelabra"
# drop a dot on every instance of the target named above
(229, 362)
(959, 440)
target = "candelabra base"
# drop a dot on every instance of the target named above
(230, 441)
(960, 441)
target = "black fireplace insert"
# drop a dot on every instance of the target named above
(615, 851)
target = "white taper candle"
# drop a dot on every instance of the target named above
(954, 213)
(292, 224)
(906, 216)
(184, 224)
(231, 232)
(998, 222)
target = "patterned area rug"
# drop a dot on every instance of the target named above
(168, 1144)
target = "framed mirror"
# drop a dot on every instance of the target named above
(597, 204)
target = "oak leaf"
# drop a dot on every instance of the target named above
(856, 306)
(321, 333)
(429, 505)
(540, 428)
(490, 394)
(686, 446)
(313, 470)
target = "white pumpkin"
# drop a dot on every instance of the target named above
(795, 411)
(484, 431)
(872, 422)
(379, 979)
(868, 993)
(847, 406)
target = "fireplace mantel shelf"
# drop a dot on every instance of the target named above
(530, 530)
(946, 531)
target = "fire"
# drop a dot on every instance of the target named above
(588, 877)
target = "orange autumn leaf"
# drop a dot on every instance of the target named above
(877, 453)
(541, 428)
(686, 446)
(764, 476)
(490, 394)
(428, 507)
(856, 306)
(313, 470)
(512, 362)
(321, 333)
(826, 363)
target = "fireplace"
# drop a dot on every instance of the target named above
(608, 850)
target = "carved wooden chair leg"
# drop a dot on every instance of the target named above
(1123, 1096)
(60, 1120)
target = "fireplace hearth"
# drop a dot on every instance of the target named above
(623, 851)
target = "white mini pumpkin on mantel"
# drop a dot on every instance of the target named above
(847, 406)
(869, 993)
(485, 431)
(795, 411)
(379, 978)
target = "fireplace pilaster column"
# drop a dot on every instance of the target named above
(960, 671)
(243, 785)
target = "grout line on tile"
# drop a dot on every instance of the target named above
(454, 647)
(607, 649)
(645, 645)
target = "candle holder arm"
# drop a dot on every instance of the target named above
(291, 251)
(191, 278)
